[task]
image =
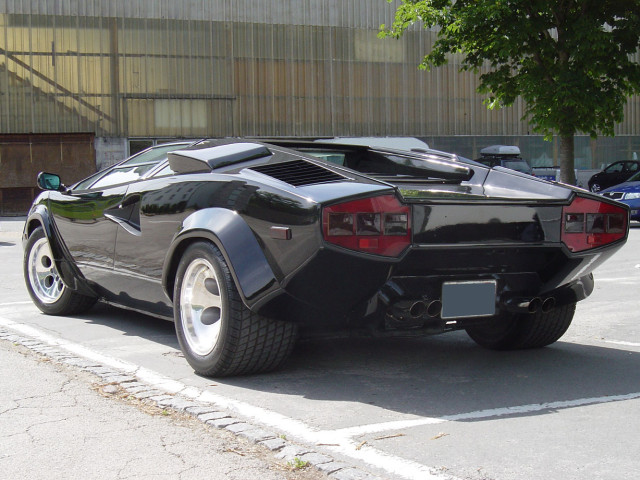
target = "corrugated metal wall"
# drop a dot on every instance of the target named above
(162, 68)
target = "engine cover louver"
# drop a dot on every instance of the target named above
(299, 173)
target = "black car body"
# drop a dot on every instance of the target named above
(246, 244)
(614, 174)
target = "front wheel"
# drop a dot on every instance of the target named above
(525, 330)
(44, 283)
(218, 334)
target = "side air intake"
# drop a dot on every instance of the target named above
(299, 173)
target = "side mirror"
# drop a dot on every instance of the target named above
(49, 181)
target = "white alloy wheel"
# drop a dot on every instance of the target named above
(201, 307)
(43, 276)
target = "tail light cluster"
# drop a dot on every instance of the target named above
(588, 223)
(380, 225)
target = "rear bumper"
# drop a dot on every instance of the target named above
(412, 302)
(340, 282)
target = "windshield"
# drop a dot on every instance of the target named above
(634, 178)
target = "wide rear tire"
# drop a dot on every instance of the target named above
(218, 334)
(526, 330)
(44, 283)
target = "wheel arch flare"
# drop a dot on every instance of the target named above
(250, 270)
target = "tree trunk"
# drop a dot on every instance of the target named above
(567, 164)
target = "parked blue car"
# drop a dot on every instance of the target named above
(627, 192)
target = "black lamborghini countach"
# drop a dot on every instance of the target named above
(247, 244)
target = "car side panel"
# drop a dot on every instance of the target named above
(88, 235)
(235, 214)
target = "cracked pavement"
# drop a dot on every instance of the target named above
(54, 425)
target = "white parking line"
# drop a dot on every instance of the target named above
(626, 344)
(485, 414)
(633, 279)
(339, 441)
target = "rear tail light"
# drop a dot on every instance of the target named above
(588, 223)
(380, 225)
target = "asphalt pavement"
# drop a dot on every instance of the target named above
(428, 408)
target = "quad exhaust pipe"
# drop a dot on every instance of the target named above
(412, 312)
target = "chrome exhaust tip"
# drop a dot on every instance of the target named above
(548, 304)
(534, 305)
(434, 308)
(417, 309)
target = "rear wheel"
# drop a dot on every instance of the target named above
(526, 330)
(218, 334)
(44, 283)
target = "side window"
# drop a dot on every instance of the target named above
(123, 174)
(131, 169)
(615, 168)
(632, 167)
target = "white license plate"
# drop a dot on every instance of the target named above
(468, 299)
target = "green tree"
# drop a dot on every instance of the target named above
(574, 62)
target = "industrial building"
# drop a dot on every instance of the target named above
(83, 83)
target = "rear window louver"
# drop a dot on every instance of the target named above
(299, 173)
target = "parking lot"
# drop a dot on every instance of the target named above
(433, 407)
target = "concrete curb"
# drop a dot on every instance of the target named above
(206, 413)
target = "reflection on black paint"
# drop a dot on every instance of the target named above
(472, 224)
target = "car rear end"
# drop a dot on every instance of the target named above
(437, 257)
(434, 242)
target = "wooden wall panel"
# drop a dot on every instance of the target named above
(22, 157)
